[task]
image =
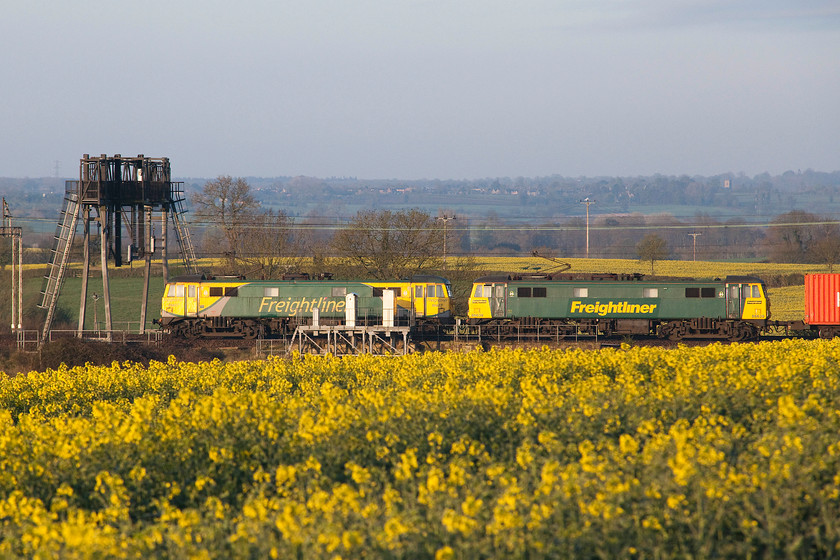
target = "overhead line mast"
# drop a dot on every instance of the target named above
(9, 230)
(587, 202)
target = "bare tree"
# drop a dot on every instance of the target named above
(268, 247)
(390, 244)
(792, 238)
(228, 204)
(652, 248)
(826, 249)
(314, 240)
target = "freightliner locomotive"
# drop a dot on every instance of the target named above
(202, 306)
(735, 308)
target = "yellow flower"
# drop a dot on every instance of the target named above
(445, 553)
(675, 501)
(627, 444)
(471, 506)
(394, 529)
(407, 464)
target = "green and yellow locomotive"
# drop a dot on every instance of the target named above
(735, 308)
(202, 306)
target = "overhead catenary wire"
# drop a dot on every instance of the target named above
(484, 227)
(473, 223)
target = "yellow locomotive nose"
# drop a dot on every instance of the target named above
(479, 303)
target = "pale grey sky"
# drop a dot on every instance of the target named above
(422, 88)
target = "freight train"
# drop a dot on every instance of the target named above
(206, 306)
(736, 308)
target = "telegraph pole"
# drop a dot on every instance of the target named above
(444, 218)
(694, 235)
(587, 202)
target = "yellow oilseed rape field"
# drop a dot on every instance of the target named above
(717, 451)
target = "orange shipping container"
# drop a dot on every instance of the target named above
(822, 299)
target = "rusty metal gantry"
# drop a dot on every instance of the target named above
(117, 193)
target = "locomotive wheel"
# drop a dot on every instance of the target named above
(188, 332)
(672, 331)
(737, 335)
(829, 332)
(743, 332)
(249, 333)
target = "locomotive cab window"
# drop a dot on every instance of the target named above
(434, 290)
(176, 290)
(418, 291)
(483, 291)
(756, 292)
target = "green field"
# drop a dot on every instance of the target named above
(126, 287)
(126, 295)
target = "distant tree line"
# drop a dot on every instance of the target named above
(554, 197)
